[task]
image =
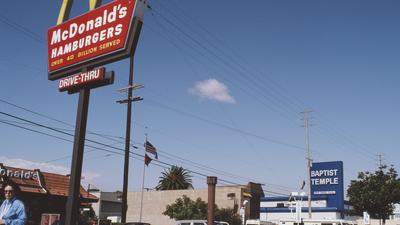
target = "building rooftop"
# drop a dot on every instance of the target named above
(35, 181)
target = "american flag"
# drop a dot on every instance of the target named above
(150, 149)
(147, 159)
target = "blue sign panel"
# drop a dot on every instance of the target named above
(327, 180)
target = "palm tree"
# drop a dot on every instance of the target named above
(175, 178)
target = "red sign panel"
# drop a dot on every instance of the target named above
(101, 32)
(81, 79)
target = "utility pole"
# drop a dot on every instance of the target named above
(211, 182)
(306, 118)
(380, 159)
(129, 101)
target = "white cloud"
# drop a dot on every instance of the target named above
(45, 167)
(212, 89)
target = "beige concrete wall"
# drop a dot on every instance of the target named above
(155, 202)
(376, 222)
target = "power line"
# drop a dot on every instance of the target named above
(255, 97)
(195, 72)
(101, 149)
(28, 33)
(50, 118)
(31, 34)
(10, 25)
(190, 37)
(339, 140)
(225, 126)
(34, 36)
(233, 64)
(204, 166)
(341, 134)
(236, 59)
(110, 137)
(324, 135)
(12, 123)
(260, 97)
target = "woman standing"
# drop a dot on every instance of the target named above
(12, 211)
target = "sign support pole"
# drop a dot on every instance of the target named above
(72, 208)
(73, 202)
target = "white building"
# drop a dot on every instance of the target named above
(396, 213)
(327, 197)
(284, 207)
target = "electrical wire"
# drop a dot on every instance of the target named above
(200, 44)
(36, 37)
(157, 162)
(108, 137)
(24, 30)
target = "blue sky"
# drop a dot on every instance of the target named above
(225, 82)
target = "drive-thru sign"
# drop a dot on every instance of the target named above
(100, 36)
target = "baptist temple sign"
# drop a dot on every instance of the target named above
(327, 180)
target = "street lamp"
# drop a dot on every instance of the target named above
(298, 197)
(93, 189)
(243, 211)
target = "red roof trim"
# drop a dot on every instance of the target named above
(35, 181)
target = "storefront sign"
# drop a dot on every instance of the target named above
(21, 174)
(97, 37)
(327, 179)
(81, 79)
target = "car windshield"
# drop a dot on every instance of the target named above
(220, 223)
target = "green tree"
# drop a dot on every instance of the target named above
(175, 178)
(186, 209)
(375, 192)
(228, 215)
(85, 217)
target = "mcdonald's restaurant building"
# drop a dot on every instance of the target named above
(44, 194)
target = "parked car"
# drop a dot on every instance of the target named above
(137, 223)
(198, 222)
(258, 222)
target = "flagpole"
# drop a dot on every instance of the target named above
(141, 199)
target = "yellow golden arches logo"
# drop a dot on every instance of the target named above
(66, 9)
